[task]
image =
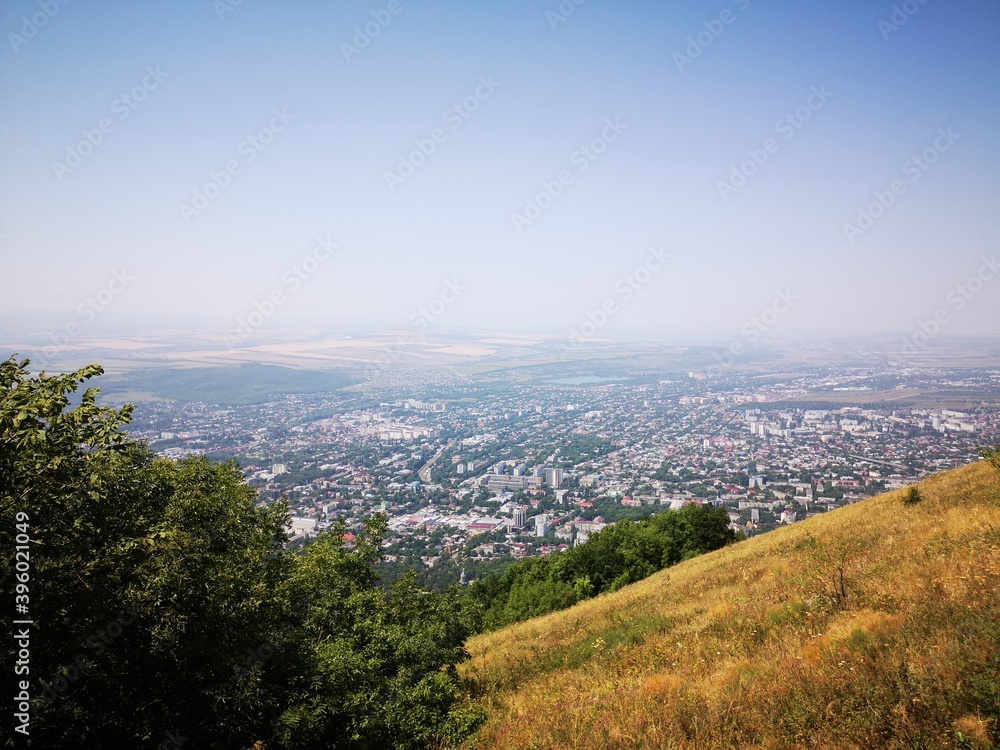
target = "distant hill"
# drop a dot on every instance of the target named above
(876, 625)
(235, 384)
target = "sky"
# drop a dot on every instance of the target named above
(657, 169)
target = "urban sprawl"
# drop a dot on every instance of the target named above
(484, 470)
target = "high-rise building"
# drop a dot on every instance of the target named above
(553, 478)
(520, 516)
(277, 469)
(541, 524)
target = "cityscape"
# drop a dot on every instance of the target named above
(480, 470)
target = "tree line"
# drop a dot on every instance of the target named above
(614, 557)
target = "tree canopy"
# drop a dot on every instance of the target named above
(165, 604)
(614, 557)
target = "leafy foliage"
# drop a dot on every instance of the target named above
(993, 456)
(165, 601)
(614, 557)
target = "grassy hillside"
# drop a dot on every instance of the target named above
(876, 625)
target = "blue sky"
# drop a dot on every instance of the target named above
(696, 91)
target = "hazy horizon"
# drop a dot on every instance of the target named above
(21, 323)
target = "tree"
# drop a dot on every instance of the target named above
(371, 670)
(148, 578)
(165, 601)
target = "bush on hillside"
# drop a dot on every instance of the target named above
(614, 557)
(992, 455)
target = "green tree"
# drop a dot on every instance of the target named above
(149, 578)
(623, 553)
(371, 670)
(164, 599)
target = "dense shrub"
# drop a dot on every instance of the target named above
(614, 557)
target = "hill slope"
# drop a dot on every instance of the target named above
(876, 625)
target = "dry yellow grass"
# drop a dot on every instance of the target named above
(758, 645)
